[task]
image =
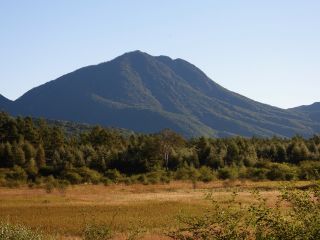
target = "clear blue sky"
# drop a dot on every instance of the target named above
(266, 50)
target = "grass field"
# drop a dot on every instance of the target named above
(151, 209)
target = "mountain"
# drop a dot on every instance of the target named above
(144, 93)
(4, 102)
(312, 111)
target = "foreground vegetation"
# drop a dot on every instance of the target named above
(216, 210)
(298, 220)
(34, 152)
(18, 232)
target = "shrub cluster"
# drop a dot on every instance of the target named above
(299, 220)
(18, 232)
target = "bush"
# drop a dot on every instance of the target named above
(97, 232)
(18, 232)
(310, 170)
(187, 172)
(127, 181)
(62, 186)
(281, 172)
(72, 177)
(106, 181)
(256, 173)
(50, 184)
(114, 175)
(88, 175)
(143, 179)
(206, 174)
(258, 221)
(17, 174)
(219, 222)
(227, 173)
(165, 179)
(157, 177)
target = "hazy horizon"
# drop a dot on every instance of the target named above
(267, 51)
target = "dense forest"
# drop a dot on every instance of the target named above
(32, 151)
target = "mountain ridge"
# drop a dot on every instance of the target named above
(146, 94)
(4, 102)
(312, 111)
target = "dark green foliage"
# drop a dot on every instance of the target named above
(109, 156)
(206, 174)
(7, 155)
(257, 173)
(40, 157)
(73, 177)
(281, 172)
(17, 174)
(310, 170)
(88, 175)
(228, 173)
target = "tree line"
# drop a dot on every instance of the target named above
(31, 151)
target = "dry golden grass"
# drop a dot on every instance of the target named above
(152, 208)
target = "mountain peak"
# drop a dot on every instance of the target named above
(140, 54)
(135, 53)
(146, 93)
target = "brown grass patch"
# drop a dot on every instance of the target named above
(152, 207)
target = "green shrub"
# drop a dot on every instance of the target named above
(206, 174)
(72, 177)
(309, 170)
(165, 179)
(256, 173)
(114, 175)
(154, 177)
(18, 232)
(62, 186)
(106, 181)
(228, 173)
(17, 174)
(134, 179)
(220, 222)
(298, 221)
(301, 221)
(281, 172)
(127, 181)
(143, 179)
(88, 175)
(187, 172)
(97, 232)
(38, 181)
(50, 184)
